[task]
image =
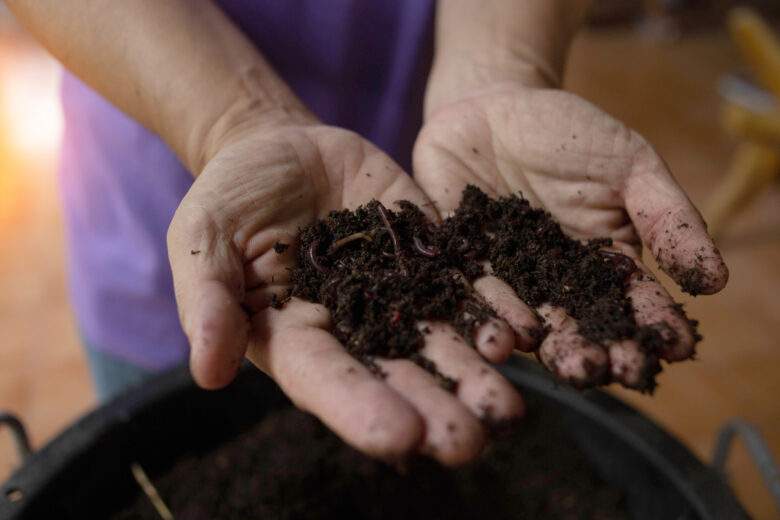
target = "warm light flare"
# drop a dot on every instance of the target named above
(30, 128)
(30, 108)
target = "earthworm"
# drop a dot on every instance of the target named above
(396, 245)
(335, 246)
(313, 257)
(429, 251)
(386, 221)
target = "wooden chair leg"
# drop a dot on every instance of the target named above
(753, 167)
(759, 45)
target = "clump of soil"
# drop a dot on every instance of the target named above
(290, 466)
(379, 272)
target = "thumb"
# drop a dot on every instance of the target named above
(672, 227)
(209, 285)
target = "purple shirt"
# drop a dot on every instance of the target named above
(357, 64)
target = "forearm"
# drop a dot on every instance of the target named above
(480, 43)
(179, 67)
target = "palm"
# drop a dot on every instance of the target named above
(563, 154)
(260, 189)
(597, 178)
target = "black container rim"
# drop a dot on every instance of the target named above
(702, 487)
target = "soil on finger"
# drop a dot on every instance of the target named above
(380, 272)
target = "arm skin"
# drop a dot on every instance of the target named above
(495, 117)
(478, 43)
(265, 167)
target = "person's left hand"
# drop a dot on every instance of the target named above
(597, 178)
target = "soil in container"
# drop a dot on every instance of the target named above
(289, 466)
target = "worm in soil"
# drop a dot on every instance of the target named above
(396, 244)
(338, 244)
(313, 257)
(386, 221)
(429, 251)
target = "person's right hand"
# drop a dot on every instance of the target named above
(597, 178)
(261, 185)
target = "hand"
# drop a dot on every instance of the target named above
(597, 178)
(261, 185)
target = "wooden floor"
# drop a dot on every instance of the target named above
(665, 90)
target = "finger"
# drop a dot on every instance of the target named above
(671, 227)
(654, 308)
(495, 340)
(444, 177)
(319, 376)
(480, 387)
(453, 435)
(217, 328)
(270, 267)
(258, 299)
(567, 354)
(675, 338)
(208, 282)
(270, 252)
(520, 317)
(632, 366)
(404, 188)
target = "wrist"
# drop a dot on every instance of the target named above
(479, 44)
(258, 101)
(458, 76)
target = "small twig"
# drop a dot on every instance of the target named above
(150, 491)
(312, 251)
(386, 221)
(429, 251)
(338, 244)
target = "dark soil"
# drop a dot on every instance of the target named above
(291, 467)
(379, 272)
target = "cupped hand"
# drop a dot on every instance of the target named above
(597, 178)
(260, 187)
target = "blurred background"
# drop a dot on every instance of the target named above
(667, 68)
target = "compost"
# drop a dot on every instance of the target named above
(289, 466)
(380, 272)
